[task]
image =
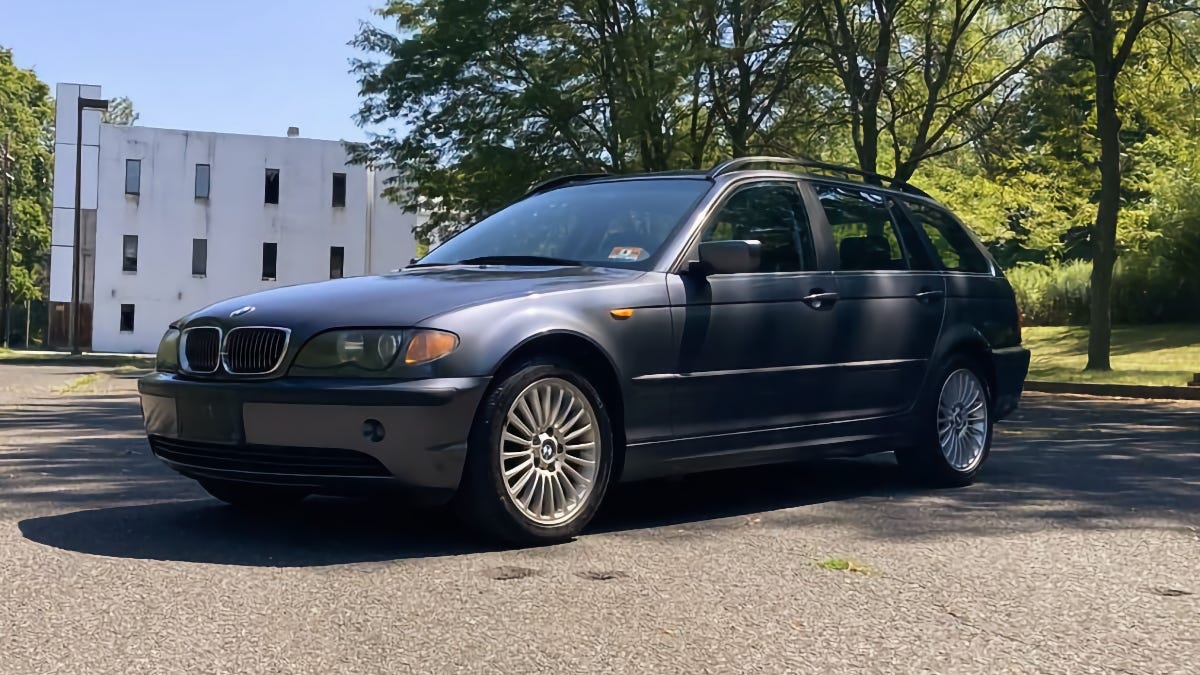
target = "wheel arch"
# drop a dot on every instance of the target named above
(970, 343)
(594, 363)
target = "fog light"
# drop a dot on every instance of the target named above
(372, 430)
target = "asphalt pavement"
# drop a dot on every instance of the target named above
(1078, 551)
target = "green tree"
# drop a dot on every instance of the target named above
(1115, 28)
(120, 112)
(26, 121)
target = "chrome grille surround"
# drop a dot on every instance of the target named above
(254, 350)
(200, 349)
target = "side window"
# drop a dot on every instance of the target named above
(950, 241)
(773, 214)
(863, 230)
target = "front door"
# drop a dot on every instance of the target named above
(752, 345)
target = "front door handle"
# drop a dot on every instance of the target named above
(818, 298)
(930, 296)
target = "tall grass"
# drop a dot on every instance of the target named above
(1146, 289)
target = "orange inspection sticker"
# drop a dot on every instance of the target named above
(627, 253)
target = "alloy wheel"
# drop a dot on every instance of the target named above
(962, 420)
(548, 451)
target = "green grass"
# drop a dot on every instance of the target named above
(80, 383)
(60, 359)
(1167, 354)
(843, 565)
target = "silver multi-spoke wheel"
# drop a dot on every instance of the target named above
(962, 420)
(548, 451)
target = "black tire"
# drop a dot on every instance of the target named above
(924, 462)
(253, 497)
(483, 501)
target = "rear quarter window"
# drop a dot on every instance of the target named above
(951, 243)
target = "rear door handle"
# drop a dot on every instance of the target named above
(930, 296)
(818, 298)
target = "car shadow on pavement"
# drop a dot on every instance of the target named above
(1061, 462)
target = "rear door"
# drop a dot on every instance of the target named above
(891, 302)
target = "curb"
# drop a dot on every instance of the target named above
(1115, 390)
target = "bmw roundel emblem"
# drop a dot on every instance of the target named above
(241, 311)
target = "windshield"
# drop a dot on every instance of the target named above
(618, 224)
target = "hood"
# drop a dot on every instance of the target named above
(403, 298)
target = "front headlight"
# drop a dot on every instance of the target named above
(370, 353)
(167, 358)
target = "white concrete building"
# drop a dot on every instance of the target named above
(174, 220)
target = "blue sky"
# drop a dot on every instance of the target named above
(253, 67)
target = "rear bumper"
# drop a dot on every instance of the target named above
(1012, 365)
(310, 432)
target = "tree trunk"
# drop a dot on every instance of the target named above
(1104, 234)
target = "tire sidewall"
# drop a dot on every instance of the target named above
(484, 456)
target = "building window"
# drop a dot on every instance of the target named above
(126, 318)
(339, 189)
(337, 261)
(203, 175)
(270, 251)
(133, 176)
(199, 257)
(271, 192)
(129, 253)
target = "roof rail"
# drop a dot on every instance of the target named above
(846, 171)
(559, 181)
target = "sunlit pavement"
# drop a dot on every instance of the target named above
(1078, 551)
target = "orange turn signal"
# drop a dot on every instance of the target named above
(428, 345)
(621, 314)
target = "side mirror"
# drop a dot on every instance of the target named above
(733, 256)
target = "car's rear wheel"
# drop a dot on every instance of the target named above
(540, 456)
(954, 427)
(253, 497)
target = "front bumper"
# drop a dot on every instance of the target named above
(312, 432)
(1012, 365)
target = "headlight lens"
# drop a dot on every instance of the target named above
(349, 352)
(371, 353)
(167, 358)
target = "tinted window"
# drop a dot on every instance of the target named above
(202, 180)
(127, 318)
(270, 250)
(199, 257)
(863, 229)
(133, 176)
(129, 253)
(337, 262)
(271, 187)
(339, 189)
(772, 214)
(950, 241)
(618, 223)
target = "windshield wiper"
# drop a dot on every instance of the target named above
(518, 260)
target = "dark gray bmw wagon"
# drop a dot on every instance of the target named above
(607, 328)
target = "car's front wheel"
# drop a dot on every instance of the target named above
(252, 497)
(540, 456)
(954, 427)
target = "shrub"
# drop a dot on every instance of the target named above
(1146, 289)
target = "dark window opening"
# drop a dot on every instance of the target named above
(953, 246)
(203, 176)
(339, 189)
(133, 176)
(200, 257)
(270, 251)
(271, 192)
(337, 261)
(126, 318)
(863, 229)
(774, 215)
(129, 253)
